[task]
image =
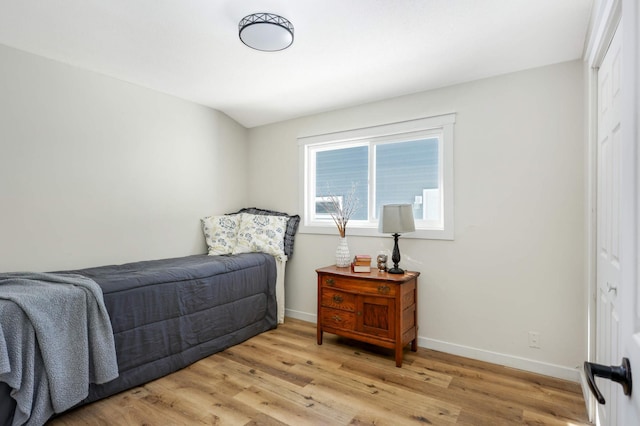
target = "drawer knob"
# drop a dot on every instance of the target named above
(336, 318)
(384, 289)
(337, 298)
(330, 281)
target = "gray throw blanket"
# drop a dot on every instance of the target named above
(55, 339)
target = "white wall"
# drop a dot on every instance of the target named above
(96, 171)
(518, 260)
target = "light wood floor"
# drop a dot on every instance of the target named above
(282, 377)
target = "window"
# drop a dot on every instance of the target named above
(409, 162)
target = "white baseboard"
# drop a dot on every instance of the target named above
(558, 371)
(304, 316)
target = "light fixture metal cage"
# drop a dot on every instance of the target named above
(269, 19)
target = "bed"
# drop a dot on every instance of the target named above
(167, 314)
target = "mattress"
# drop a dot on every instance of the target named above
(167, 314)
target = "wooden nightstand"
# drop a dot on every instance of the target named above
(375, 307)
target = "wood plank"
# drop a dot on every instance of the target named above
(377, 396)
(283, 409)
(522, 390)
(287, 393)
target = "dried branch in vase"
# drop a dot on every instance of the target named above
(342, 210)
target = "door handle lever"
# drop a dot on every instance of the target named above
(619, 374)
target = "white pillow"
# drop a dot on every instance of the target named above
(220, 233)
(260, 233)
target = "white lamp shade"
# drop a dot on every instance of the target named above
(396, 219)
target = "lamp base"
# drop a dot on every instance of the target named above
(395, 256)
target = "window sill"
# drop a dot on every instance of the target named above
(421, 234)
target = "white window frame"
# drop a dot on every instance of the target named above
(441, 125)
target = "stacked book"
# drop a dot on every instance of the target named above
(361, 263)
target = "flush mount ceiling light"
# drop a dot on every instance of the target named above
(266, 32)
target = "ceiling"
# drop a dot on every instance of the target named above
(345, 52)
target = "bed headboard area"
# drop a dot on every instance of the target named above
(251, 230)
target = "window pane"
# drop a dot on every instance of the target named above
(407, 172)
(336, 172)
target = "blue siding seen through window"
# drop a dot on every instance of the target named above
(338, 170)
(403, 171)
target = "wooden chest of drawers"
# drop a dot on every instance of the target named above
(375, 307)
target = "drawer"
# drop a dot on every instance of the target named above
(339, 300)
(336, 318)
(359, 285)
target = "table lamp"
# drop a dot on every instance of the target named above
(396, 219)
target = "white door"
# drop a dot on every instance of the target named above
(618, 295)
(629, 409)
(608, 226)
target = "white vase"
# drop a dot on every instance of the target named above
(343, 258)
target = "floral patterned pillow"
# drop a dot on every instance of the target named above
(260, 233)
(220, 233)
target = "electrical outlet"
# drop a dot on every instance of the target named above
(534, 339)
